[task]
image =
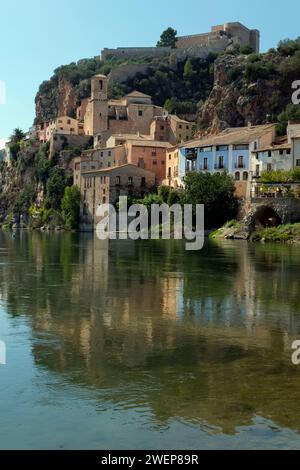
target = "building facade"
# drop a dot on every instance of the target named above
(230, 151)
(132, 114)
(107, 185)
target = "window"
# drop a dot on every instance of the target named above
(162, 128)
(169, 172)
(280, 152)
(298, 162)
(108, 164)
(221, 162)
(69, 121)
(205, 149)
(221, 148)
(288, 152)
(187, 128)
(245, 176)
(154, 162)
(241, 147)
(180, 126)
(109, 153)
(241, 161)
(118, 180)
(129, 179)
(101, 154)
(170, 157)
(140, 112)
(101, 84)
(205, 163)
(237, 176)
(269, 153)
(143, 181)
(153, 153)
(269, 167)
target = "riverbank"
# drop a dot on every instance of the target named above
(236, 230)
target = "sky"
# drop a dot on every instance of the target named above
(36, 37)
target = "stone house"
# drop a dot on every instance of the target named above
(170, 128)
(64, 125)
(107, 185)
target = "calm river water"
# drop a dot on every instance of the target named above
(132, 345)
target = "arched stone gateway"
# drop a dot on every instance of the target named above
(269, 212)
(265, 216)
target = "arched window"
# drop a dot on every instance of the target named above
(245, 176)
(237, 176)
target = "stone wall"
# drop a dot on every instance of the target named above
(135, 52)
(125, 72)
(59, 142)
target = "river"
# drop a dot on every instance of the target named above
(143, 345)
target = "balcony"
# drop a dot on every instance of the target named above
(240, 166)
(191, 155)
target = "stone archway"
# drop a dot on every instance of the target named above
(265, 216)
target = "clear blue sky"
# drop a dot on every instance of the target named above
(37, 36)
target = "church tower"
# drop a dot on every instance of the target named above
(96, 120)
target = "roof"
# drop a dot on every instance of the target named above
(117, 168)
(284, 146)
(231, 136)
(150, 143)
(137, 94)
(130, 136)
(176, 118)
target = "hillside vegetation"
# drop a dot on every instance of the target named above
(229, 89)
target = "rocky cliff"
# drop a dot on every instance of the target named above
(252, 88)
(229, 89)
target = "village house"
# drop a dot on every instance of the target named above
(107, 185)
(230, 151)
(171, 128)
(64, 125)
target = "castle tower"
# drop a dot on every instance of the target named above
(96, 118)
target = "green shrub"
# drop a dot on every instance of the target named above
(71, 207)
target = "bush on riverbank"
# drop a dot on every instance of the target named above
(283, 233)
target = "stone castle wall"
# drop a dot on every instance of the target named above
(199, 45)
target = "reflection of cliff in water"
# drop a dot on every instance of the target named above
(203, 337)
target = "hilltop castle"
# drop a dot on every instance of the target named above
(221, 38)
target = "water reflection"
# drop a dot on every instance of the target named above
(203, 338)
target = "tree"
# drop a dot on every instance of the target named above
(216, 192)
(55, 188)
(168, 38)
(17, 136)
(189, 73)
(70, 205)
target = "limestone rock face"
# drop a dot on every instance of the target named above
(236, 99)
(59, 101)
